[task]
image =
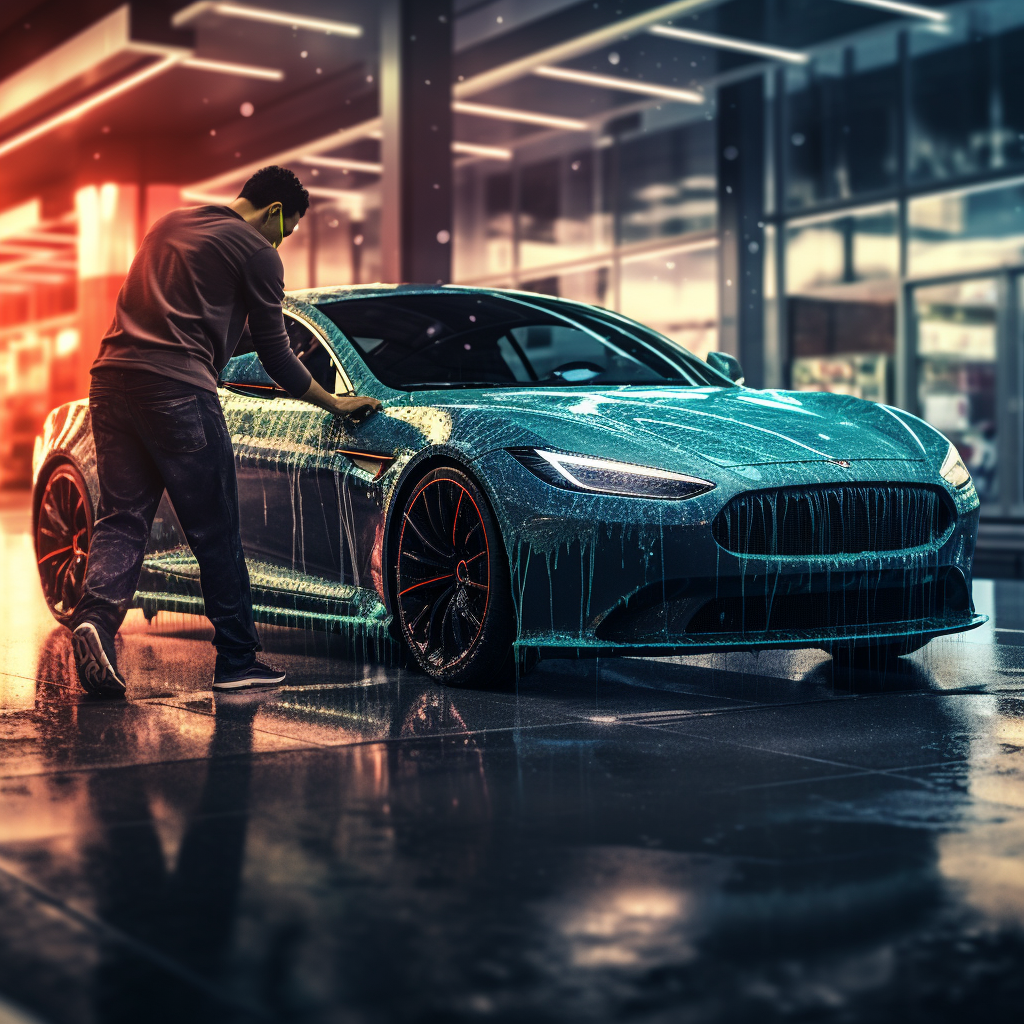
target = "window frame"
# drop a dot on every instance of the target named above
(321, 337)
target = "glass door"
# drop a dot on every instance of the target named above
(958, 345)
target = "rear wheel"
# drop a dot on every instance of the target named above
(453, 597)
(63, 532)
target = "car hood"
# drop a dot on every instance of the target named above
(723, 426)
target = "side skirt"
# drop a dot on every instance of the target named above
(281, 597)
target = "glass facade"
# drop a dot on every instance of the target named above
(842, 127)
(965, 103)
(973, 229)
(895, 176)
(957, 363)
(881, 243)
(676, 293)
(627, 222)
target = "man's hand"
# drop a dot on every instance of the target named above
(355, 407)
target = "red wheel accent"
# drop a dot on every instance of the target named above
(443, 572)
(63, 533)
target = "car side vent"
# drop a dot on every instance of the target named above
(833, 520)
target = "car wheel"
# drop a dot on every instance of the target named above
(453, 596)
(63, 531)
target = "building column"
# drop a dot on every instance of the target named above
(741, 155)
(415, 101)
(107, 241)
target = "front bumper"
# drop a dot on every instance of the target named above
(605, 575)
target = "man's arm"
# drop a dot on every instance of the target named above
(353, 407)
(264, 290)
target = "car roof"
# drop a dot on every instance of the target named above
(339, 293)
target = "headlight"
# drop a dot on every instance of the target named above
(953, 470)
(602, 476)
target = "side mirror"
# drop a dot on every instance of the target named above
(726, 364)
(245, 375)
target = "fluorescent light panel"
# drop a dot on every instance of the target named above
(570, 124)
(896, 7)
(344, 164)
(332, 28)
(472, 149)
(622, 84)
(226, 67)
(76, 110)
(729, 43)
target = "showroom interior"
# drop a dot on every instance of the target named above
(831, 191)
(842, 212)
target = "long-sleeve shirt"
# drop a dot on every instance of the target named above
(198, 277)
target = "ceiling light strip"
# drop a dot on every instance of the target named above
(229, 10)
(226, 67)
(729, 43)
(620, 84)
(472, 149)
(76, 110)
(897, 7)
(562, 52)
(571, 124)
(344, 164)
(336, 140)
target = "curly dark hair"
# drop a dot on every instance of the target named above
(276, 185)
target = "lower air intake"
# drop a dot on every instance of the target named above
(863, 606)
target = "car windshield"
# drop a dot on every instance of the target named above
(415, 342)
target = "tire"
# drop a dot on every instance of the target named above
(62, 533)
(453, 595)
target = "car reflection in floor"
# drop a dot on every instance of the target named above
(704, 839)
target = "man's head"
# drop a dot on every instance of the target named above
(272, 200)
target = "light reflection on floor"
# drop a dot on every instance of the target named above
(703, 839)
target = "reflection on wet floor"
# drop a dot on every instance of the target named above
(703, 839)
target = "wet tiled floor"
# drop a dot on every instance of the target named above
(705, 839)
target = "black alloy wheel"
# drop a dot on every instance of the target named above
(453, 597)
(62, 534)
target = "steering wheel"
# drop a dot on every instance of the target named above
(576, 371)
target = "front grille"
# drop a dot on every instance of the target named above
(833, 520)
(863, 604)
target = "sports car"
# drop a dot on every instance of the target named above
(549, 476)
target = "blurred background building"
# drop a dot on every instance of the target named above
(833, 190)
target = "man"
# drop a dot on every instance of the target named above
(199, 276)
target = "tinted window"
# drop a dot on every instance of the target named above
(312, 354)
(423, 341)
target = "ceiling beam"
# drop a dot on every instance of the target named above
(571, 48)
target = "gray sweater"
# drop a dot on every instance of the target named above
(199, 275)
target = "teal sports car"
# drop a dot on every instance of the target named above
(550, 476)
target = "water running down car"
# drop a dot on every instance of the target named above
(547, 475)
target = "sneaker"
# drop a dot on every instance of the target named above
(257, 674)
(96, 662)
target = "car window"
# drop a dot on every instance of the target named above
(468, 339)
(313, 355)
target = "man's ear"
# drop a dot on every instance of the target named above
(271, 211)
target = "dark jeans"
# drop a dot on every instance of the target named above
(152, 433)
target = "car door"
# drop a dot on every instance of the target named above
(309, 487)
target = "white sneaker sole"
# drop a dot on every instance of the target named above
(95, 672)
(250, 684)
